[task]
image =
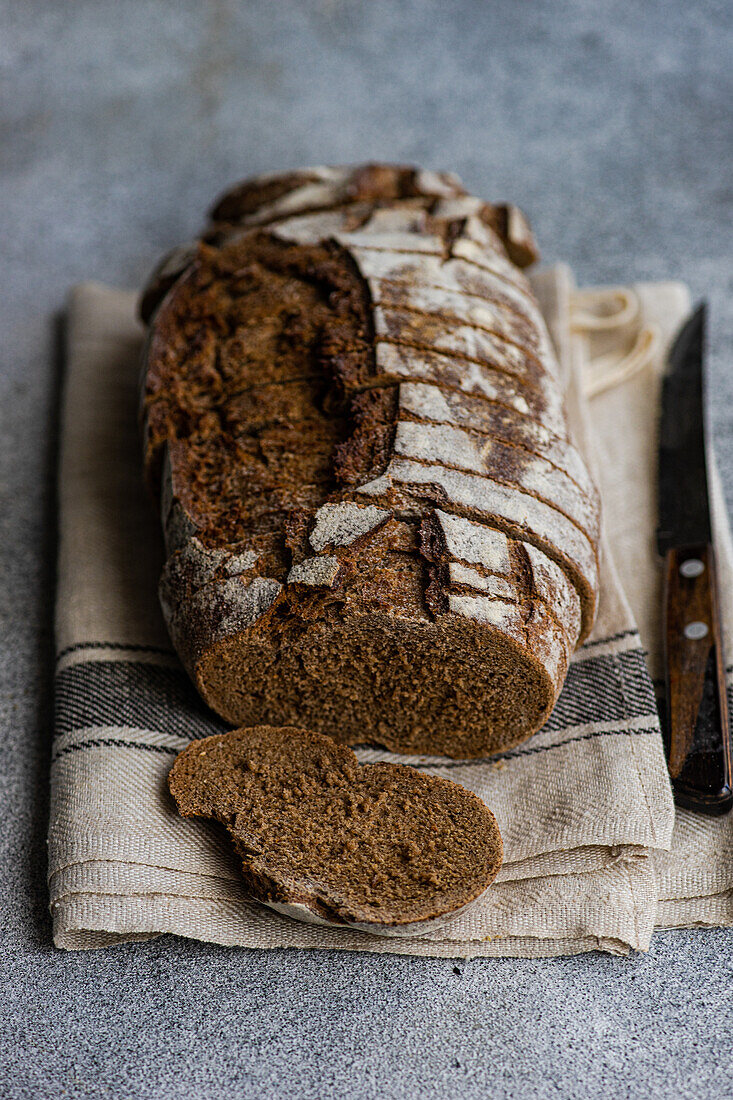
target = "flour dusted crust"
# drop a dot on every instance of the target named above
(376, 520)
(339, 196)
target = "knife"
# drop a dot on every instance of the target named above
(697, 728)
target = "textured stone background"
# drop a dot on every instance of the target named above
(611, 124)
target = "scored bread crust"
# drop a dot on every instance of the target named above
(319, 836)
(266, 199)
(455, 524)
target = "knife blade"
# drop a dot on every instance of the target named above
(697, 725)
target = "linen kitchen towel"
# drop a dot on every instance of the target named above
(584, 807)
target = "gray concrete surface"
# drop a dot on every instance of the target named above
(611, 124)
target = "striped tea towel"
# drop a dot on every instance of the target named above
(584, 807)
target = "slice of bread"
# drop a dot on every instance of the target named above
(381, 848)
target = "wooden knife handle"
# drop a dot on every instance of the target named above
(698, 736)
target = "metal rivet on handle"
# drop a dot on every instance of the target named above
(696, 630)
(693, 567)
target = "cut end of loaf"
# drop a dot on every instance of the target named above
(378, 847)
(462, 690)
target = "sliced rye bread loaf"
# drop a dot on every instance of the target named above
(376, 521)
(377, 847)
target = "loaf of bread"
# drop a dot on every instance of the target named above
(379, 847)
(376, 522)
